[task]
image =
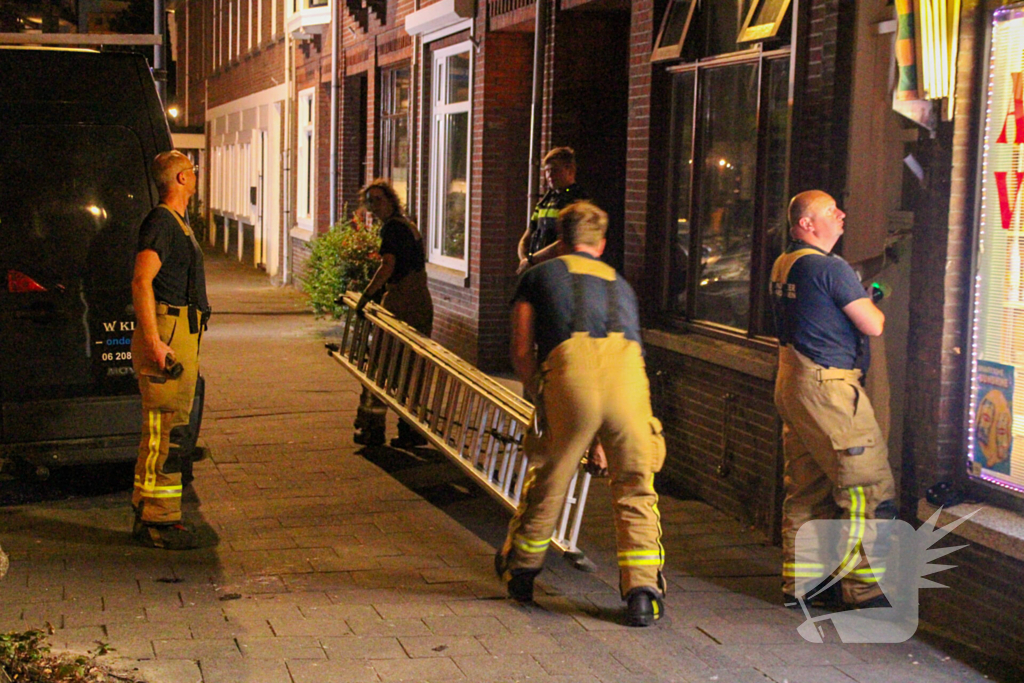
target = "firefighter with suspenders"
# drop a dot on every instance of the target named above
(587, 378)
(836, 458)
(171, 309)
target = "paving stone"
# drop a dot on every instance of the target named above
(807, 674)
(281, 647)
(570, 663)
(244, 671)
(178, 671)
(411, 609)
(491, 668)
(388, 627)
(300, 626)
(464, 626)
(196, 649)
(335, 671)
(441, 646)
(361, 647)
(520, 643)
(433, 669)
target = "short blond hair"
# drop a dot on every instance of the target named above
(167, 166)
(582, 223)
(564, 156)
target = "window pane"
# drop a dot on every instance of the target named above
(458, 78)
(717, 27)
(453, 241)
(680, 235)
(776, 201)
(728, 173)
(675, 22)
(399, 157)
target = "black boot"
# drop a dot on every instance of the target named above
(407, 437)
(520, 581)
(369, 436)
(644, 606)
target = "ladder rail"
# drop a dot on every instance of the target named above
(477, 422)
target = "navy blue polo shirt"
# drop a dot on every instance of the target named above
(808, 306)
(548, 288)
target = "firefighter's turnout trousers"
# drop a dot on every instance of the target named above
(408, 300)
(593, 386)
(836, 467)
(166, 404)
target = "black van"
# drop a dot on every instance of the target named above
(78, 129)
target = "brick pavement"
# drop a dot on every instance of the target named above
(337, 564)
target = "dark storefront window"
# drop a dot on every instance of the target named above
(727, 184)
(394, 130)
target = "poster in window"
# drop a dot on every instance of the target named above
(993, 433)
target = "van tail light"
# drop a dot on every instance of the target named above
(19, 283)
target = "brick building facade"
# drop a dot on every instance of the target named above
(693, 147)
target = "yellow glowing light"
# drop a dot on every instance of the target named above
(173, 112)
(721, 162)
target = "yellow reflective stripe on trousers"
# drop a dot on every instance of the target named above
(158, 491)
(803, 570)
(155, 425)
(530, 546)
(858, 504)
(642, 558)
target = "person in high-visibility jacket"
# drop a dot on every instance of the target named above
(538, 243)
(587, 378)
(836, 459)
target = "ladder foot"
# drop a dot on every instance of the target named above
(580, 562)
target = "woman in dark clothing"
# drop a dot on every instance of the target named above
(403, 276)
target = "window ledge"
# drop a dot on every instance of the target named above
(754, 362)
(994, 528)
(447, 275)
(299, 232)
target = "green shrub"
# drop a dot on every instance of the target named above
(342, 259)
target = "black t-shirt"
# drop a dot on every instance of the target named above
(161, 232)
(548, 287)
(398, 238)
(543, 222)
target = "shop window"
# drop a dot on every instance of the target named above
(305, 172)
(449, 156)
(996, 408)
(394, 130)
(726, 208)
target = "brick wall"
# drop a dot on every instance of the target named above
(712, 416)
(502, 100)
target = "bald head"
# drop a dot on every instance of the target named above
(815, 219)
(167, 166)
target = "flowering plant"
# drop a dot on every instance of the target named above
(343, 258)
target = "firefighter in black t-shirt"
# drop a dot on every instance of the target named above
(539, 242)
(171, 308)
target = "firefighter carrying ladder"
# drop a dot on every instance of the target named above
(477, 422)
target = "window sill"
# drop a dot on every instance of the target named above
(447, 275)
(755, 362)
(299, 232)
(992, 527)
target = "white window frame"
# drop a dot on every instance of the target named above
(440, 112)
(305, 184)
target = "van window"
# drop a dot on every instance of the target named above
(71, 200)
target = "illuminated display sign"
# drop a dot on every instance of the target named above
(996, 405)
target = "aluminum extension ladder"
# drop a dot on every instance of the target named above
(477, 422)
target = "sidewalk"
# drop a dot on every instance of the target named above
(340, 565)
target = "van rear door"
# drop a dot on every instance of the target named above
(71, 198)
